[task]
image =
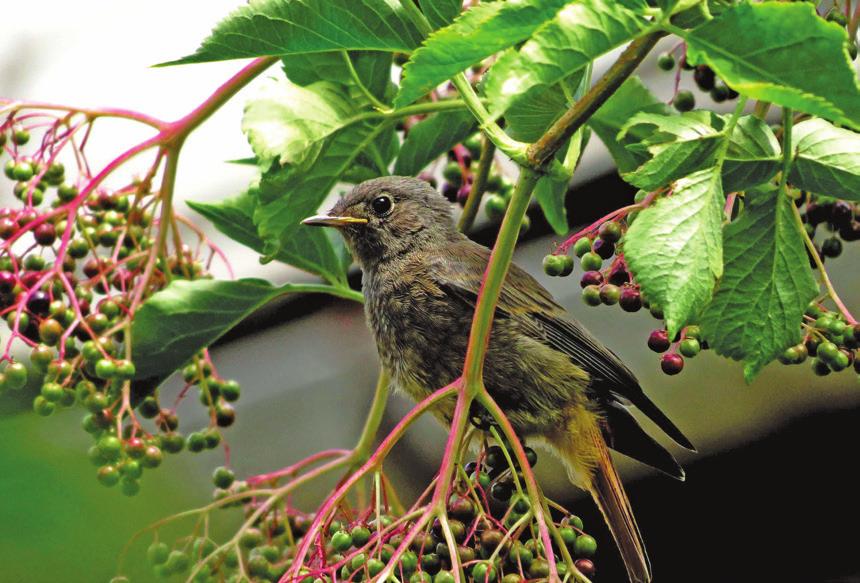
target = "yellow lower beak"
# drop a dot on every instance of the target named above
(327, 221)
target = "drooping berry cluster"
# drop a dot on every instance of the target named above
(704, 77)
(838, 219)
(488, 517)
(77, 259)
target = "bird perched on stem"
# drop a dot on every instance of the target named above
(552, 378)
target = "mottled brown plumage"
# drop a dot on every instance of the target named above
(553, 379)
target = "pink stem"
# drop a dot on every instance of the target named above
(292, 469)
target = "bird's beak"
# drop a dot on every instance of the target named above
(327, 221)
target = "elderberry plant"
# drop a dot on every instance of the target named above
(105, 298)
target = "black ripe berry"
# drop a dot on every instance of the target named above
(672, 363)
(704, 77)
(832, 247)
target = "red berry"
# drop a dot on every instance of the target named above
(672, 363)
(585, 566)
(658, 341)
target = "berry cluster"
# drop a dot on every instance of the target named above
(831, 342)
(614, 284)
(488, 516)
(838, 218)
(77, 259)
(831, 337)
(704, 77)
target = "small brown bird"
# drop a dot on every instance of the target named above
(552, 378)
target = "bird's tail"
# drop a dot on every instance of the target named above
(586, 450)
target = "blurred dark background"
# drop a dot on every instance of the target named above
(770, 497)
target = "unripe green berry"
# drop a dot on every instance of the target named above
(591, 261)
(666, 62)
(585, 546)
(582, 246)
(689, 347)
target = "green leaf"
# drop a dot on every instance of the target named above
(753, 155)
(631, 98)
(528, 118)
(767, 284)
(187, 316)
(476, 34)
(288, 195)
(310, 249)
(288, 27)
(782, 53)
(287, 123)
(579, 33)
(440, 12)
(827, 160)
(432, 137)
(674, 248)
(678, 145)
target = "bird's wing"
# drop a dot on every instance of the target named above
(528, 303)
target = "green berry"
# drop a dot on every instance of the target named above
(230, 390)
(223, 477)
(827, 351)
(689, 347)
(22, 171)
(252, 537)
(177, 562)
(374, 567)
(443, 577)
(568, 535)
(553, 265)
(43, 406)
(110, 447)
(452, 172)
(108, 475)
(684, 101)
(495, 206)
(610, 231)
(483, 571)
(157, 553)
(105, 368)
(131, 469)
(666, 62)
(585, 546)
(125, 369)
(591, 295)
(360, 535)
(341, 541)
(152, 456)
(16, 376)
(196, 442)
(20, 137)
(582, 246)
(591, 261)
(52, 392)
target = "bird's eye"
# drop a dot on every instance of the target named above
(381, 205)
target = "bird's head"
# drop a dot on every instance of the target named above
(388, 217)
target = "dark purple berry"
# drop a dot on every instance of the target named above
(619, 275)
(671, 363)
(591, 278)
(39, 303)
(45, 234)
(658, 341)
(630, 300)
(610, 231)
(603, 248)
